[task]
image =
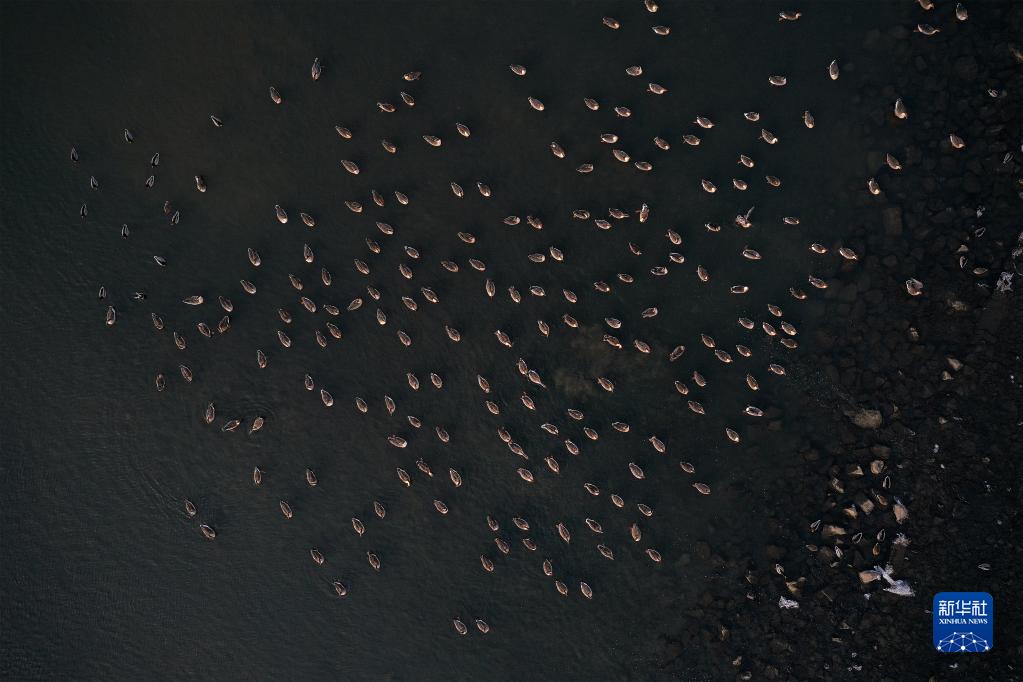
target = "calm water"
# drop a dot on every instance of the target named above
(104, 576)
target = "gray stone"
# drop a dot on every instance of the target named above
(891, 218)
(965, 67)
(865, 419)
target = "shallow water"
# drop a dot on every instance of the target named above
(105, 576)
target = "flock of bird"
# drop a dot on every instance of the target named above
(314, 296)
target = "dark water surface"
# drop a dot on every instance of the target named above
(104, 576)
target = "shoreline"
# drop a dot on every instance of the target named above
(936, 382)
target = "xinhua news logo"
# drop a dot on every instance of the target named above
(964, 622)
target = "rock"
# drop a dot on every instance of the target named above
(965, 67)
(871, 39)
(868, 576)
(891, 218)
(865, 419)
(882, 451)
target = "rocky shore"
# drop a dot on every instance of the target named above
(918, 471)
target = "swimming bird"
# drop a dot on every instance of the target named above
(257, 424)
(404, 477)
(358, 527)
(900, 109)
